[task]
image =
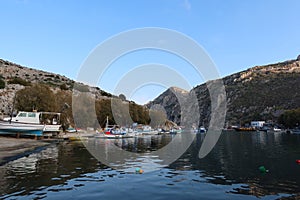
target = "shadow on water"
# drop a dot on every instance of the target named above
(229, 171)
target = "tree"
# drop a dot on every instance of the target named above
(63, 105)
(290, 118)
(103, 110)
(63, 86)
(36, 97)
(122, 97)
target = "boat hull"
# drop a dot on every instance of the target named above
(22, 128)
(245, 129)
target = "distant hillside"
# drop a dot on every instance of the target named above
(16, 77)
(45, 91)
(258, 93)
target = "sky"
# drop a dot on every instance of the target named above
(59, 35)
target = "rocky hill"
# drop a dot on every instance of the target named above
(169, 100)
(258, 93)
(15, 77)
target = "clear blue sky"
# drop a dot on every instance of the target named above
(58, 35)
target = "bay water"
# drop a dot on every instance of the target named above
(231, 170)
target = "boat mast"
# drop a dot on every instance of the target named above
(12, 109)
(106, 126)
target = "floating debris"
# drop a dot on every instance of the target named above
(139, 170)
(262, 169)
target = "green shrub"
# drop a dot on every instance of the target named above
(39, 97)
(18, 80)
(63, 86)
(2, 83)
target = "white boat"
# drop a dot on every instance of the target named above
(276, 129)
(7, 127)
(145, 130)
(295, 131)
(202, 129)
(48, 120)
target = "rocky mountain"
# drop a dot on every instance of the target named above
(170, 101)
(258, 93)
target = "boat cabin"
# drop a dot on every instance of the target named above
(50, 120)
(36, 118)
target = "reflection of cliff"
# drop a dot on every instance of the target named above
(143, 144)
(61, 162)
(236, 159)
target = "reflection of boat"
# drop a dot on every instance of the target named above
(49, 121)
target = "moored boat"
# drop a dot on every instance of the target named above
(244, 128)
(114, 132)
(7, 127)
(35, 123)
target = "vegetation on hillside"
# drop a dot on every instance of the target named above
(37, 97)
(262, 97)
(20, 81)
(258, 93)
(2, 82)
(290, 118)
(40, 97)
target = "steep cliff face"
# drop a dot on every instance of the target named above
(170, 101)
(259, 93)
(263, 92)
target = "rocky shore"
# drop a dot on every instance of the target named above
(12, 148)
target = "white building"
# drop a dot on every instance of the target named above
(257, 124)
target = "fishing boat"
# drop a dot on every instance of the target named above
(113, 132)
(202, 129)
(245, 129)
(145, 130)
(7, 127)
(36, 123)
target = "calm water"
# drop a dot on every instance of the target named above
(67, 170)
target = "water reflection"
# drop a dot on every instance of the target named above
(129, 153)
(237, 157)
(54, 165)
(230, 171)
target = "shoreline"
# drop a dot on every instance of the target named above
(14, 148)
